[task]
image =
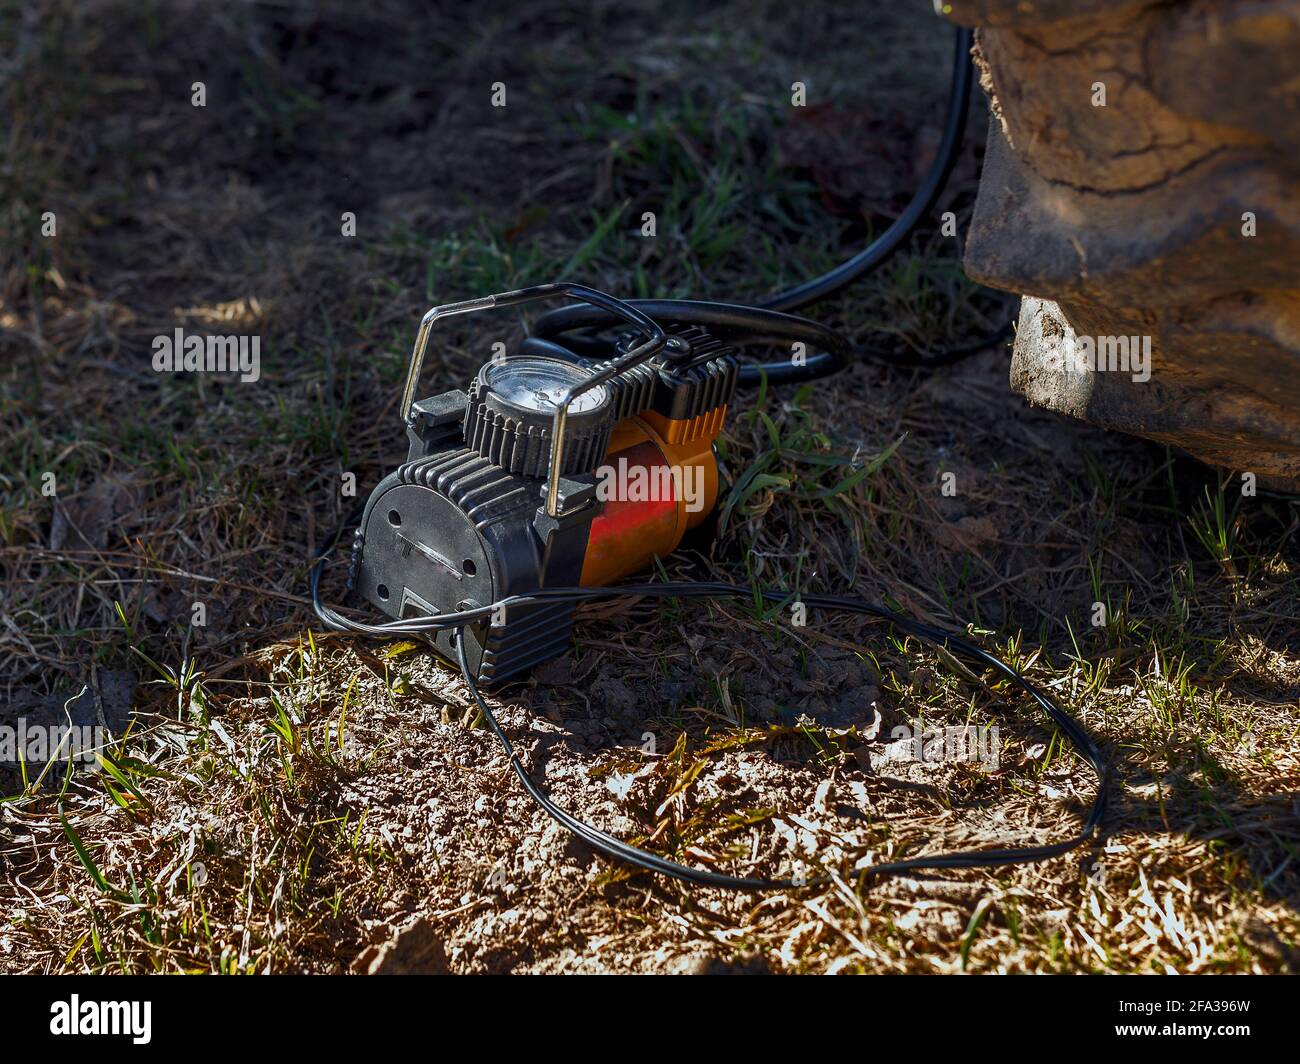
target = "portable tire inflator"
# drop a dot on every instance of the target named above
(499, 495)
(496, 526)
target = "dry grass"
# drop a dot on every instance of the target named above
(289, 800)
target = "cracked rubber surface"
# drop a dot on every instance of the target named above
(1128, 219)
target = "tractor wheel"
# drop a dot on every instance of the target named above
(1142, 186)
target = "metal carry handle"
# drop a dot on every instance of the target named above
(655, 341)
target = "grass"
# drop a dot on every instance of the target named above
(287, 799)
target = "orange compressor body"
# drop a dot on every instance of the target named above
(659, 480)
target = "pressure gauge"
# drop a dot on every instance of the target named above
(512, 404)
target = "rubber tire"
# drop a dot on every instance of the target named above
(1134, 218)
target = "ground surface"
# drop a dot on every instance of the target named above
(289, 800)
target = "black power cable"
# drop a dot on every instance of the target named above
(726, 320)
(607, 844)
(954, 129)
(772, 320)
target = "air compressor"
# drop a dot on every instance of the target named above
(550, 469)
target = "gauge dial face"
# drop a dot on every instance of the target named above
(539, 384)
